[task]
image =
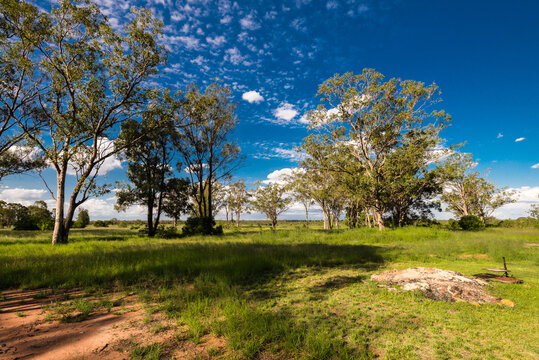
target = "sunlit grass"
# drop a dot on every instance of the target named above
(297, 292)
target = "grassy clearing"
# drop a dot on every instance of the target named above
(298, 293)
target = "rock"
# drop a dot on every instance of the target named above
(438, 284)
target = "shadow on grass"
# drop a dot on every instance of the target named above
(226, 263)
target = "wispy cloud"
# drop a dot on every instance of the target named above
(535, 166)
(519, 139)
(249, 22)
(500, 135)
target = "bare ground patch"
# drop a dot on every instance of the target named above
(31, 327)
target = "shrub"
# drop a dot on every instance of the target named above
(45, 224)
(453, 224)
(201, 226)
(27, 223)
(101, 223)
(471, 222)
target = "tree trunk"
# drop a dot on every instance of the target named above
(380, 221)
(367, 218)
(59, 235)
(238, 219)
(151, 230)
(326, 219)
(175, 222)
(306, 215)
(273, 224)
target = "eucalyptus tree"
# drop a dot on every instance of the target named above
(176, 201)
(372, 119)
(149, 151)
(238, 198)
(19, 85)
(467, 193)
(87, 79)
(206, 148)
(301, 189)
(271, 200)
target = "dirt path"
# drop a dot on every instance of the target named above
(27, 333)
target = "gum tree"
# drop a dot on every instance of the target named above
(271, 200)
(90, 79)
(372, 120)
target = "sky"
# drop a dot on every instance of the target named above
(273, 55)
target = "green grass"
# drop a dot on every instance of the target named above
(297, 293)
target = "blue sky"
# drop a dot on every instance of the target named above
(482, 55)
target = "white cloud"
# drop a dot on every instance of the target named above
(22, 196)
(216, 41)
(500, 135)
(249, 23)
(285, 112)
(226, 19)
(234, 56)
(520, 139)
(332, 5)
(252, 97)
(278, 176)
(536, 166)
(110, 163)
(527, 195)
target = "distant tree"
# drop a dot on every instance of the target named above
(301, 189)
(207, 119)
(176, 201)
(467, 193)
(90, 78)
(239, 199)
(149, 164)
(11, 213)
(271, 200)
(83, 219)
(534, 211)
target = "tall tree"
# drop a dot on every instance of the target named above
(371, 119)
(19, 85)
(207, 150)
(271, 200)
(150, 160)
(91, 79)
(176, 201)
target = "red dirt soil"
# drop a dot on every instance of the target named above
(103, 335)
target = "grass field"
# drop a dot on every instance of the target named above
(299, 293)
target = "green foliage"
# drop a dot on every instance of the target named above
(471, 223)
(100, 223)
(201, 226)
(148, 352)
(271, 200)
(83, 219)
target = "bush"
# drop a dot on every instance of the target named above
(167, 232)
(201, 226)
(27, 223)
(471, 222)
(101, 223)
(453, 224)
(45, 224)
